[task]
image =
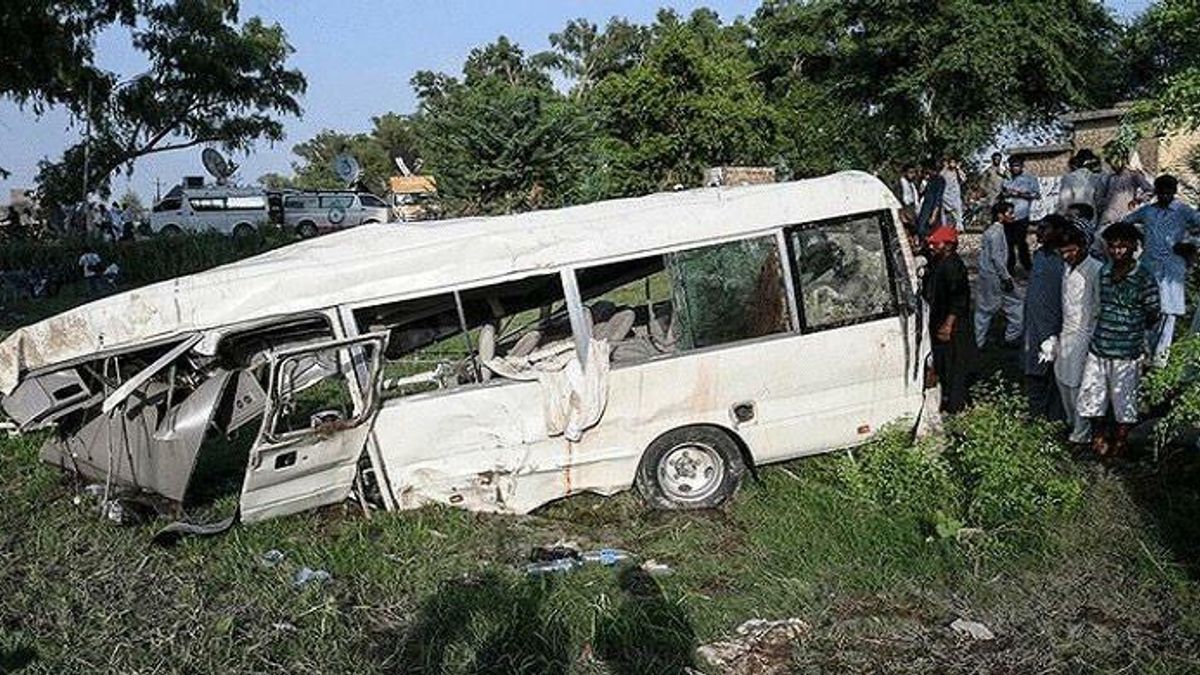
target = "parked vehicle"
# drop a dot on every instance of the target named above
(667, 342)
(313, 213)
(239, 211)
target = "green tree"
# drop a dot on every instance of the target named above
(212, 80)
(502, 139)
(1163, 48)
(690, 102)
(391, 137)
(920, 79)
(586, 54)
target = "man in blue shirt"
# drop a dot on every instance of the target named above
(1168, 226)
(1021, 190)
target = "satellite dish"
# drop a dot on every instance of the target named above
(217, 165)
(347, 168)
(404, 171)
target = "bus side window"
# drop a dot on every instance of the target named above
(841, 269)
(701, 297)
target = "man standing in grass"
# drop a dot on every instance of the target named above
(1169, 226)
(1112, 371)
(948, 292)
(997, 291)
(1080, 302)
(1043, 318)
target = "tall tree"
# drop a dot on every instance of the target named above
(691, 102)
(586, 54)
(1163, 47)
(502, 139)
(920, 79)
(212, 80)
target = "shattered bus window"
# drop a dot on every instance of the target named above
(842, 272)
(697, 298)
(729, 292)
(432, 347)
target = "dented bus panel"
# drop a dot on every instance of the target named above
(669, 342)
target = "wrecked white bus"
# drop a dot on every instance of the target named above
(668, 342)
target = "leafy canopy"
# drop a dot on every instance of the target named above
(211, 80)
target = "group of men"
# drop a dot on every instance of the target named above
(1092, 308)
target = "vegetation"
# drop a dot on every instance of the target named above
(212, 79)
(844, 544)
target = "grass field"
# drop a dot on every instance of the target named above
(1110, 585)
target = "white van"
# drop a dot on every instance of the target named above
(670, 342)
(318, 212)
(229, 210)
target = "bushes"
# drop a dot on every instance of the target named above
(1174, 391)
(142, 261)
(995, 469)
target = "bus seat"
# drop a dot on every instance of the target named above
(487, 349)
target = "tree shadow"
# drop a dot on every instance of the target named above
(486, 624)
(1170, 498)
(647, 633)
(480, 625)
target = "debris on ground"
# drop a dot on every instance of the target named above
(566, 556)
(657, 569)
(305, 576)
(760, 648)
(272, 558)
(973, 629)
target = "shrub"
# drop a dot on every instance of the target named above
(995, 469)
(1174, 391)
(1013, 471)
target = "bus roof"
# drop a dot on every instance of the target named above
(378, 262)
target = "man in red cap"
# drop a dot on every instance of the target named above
(948, 292)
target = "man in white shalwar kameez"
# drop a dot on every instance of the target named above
(1170, 228)
(997, 292)
(1080, 302)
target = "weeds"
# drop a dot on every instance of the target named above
(996, 470)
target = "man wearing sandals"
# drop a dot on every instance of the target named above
(1129, 307)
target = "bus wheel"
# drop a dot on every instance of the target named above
(243, 231)
(306, 230)
(690, 468)
(170, 231)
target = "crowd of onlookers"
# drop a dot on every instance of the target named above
(1096, 303)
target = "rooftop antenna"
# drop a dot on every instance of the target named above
(347, 169)
(216, 165)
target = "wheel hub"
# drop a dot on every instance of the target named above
(690, 472)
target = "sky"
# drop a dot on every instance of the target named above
(358, 56)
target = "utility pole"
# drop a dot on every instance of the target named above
(87, 141)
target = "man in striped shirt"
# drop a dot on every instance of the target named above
(1129, 307)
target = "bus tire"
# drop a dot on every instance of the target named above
(171, 231)
(695, 467)
(243, 231)
(306, 230)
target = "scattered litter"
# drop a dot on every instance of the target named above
(761, 648)
(284, 626)
(566, 556)
(273, 557)
(974, 629)
(94, 490)
(606, 556)
(657, 569)
(306, 575)
(536, 569)
(113, 510)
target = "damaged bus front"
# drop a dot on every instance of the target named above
(668, 342)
